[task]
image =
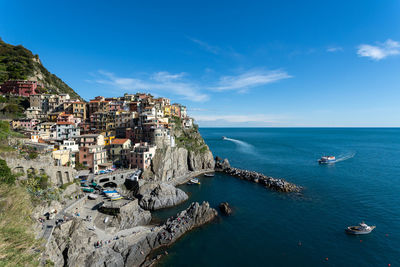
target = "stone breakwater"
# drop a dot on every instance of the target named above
(276, 184)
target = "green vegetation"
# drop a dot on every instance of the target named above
(13, 107)
(17, 241)
(38, 187)
(33, 155)
(17, 62)
(189, 139)
(5, 131)
(6, 177)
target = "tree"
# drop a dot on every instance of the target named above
(6, 177)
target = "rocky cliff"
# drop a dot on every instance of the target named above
(189, 154)
(160, 195)
(72, 243)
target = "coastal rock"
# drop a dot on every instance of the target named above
(160, 195)
(200, 161)
(221, 165)
(225, 208)
(70, 243)
(130, 215)
(194, 216)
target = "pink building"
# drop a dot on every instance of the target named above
(141, 156)
(63, 117)
(28, 124)
(19, 87)
(93, 157)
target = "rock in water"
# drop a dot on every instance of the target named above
(225, 208)
(160, 195)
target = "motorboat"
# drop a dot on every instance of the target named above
(224, 138)
(194, 181)
(327, 160)
(209, 174)
(361, 229)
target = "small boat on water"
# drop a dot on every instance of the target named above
(209, 174)
(224, 138)
(327, 160)
(361, 229)
(194, 181)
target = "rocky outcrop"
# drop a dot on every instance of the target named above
(160, 195)
(221, 165)
(131, 215)
(194, 216)
(276, 184)
(225, 208)
(172, 162)
(72, 244)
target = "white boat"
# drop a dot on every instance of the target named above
(209, 174)
(361, 229)
(327, 159)
(194, 181)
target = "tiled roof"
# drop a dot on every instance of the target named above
(119, 141)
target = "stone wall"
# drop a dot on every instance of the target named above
(58, 175)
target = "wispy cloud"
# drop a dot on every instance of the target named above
(159, 82)
(380, 50)
(210, 48)
(179, 84)
(252, 120)
(333, 49)
(250, 79)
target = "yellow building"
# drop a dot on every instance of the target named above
(167, 110)
(62, 157)
(108, 139)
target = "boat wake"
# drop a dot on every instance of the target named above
(345, 157)
(242, 146)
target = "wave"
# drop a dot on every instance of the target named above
(242, 146)
(345, 156)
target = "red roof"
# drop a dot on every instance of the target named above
(119, 141)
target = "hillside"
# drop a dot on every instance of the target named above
(17, 62)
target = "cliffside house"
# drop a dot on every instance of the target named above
(141, 155)
(90, 140)
(94, 157)
(118, 151)
(20, 87)
(66, 130)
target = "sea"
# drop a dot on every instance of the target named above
(269, 228)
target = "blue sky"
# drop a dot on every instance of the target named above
(233, 63)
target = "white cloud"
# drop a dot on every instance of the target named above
(159, 82)
(333, 49)
(380, 50)
(249, 79)
(210, 48)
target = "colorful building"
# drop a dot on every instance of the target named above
(19, 87)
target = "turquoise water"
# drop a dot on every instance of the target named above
(275, 229)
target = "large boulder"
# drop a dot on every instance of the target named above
(156, 196)
(225, 208)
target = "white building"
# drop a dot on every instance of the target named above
(66, 130)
